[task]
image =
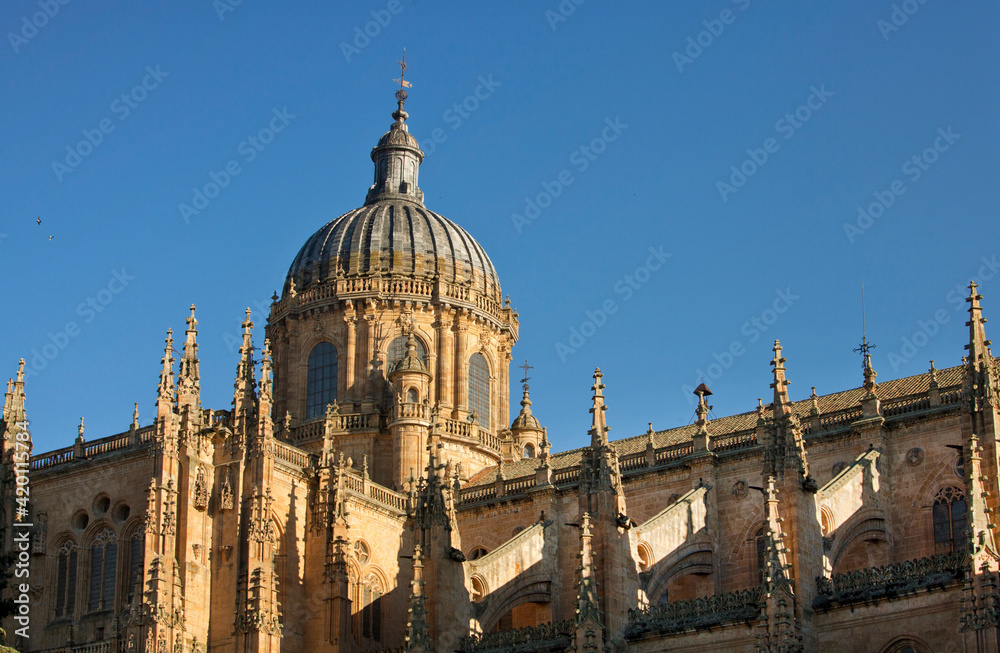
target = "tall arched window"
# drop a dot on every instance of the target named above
(479, 389)
(321, 387)
(397, 349)
(760, 542)
(529, 451)
(135, 566)
(371, 608)
(103, 557)
(66, 579)
(949, 520)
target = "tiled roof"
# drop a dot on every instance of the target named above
(949, 378)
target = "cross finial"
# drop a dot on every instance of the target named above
(401, 96)
(526, 378)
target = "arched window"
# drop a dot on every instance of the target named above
(760, 543)
(479, 389)
(103, 556)
(949, 520)
(321, 388)
(66, 579)
(412, 396)
(371, 608)
(529, 451)
(478, 553)
(397, 350)
(135, 566)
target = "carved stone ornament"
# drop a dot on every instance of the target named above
(915, 456)
(839, 467)
(740, 489)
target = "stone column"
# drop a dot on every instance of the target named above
(350, 375)
(446, 361)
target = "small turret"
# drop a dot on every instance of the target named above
(526, 430)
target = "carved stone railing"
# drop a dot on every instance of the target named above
(905, 405)
(953, 397)
(292, 455)
(675, 452)
(411, 410)
(467, 430)
(732, 607)
(735, 441)
(310, 431)
(566, 475)
(888, 581)
(632, 461)
(551, 636)
(365, 487)
(840, 418)
(519, 485)
(117, 442)
(478, 493)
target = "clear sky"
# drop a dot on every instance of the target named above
(693, 167)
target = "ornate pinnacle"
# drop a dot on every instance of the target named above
(599, 426)
(780, 383)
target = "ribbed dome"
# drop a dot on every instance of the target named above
(394, 237)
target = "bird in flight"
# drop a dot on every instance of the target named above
(39, 220)
(51, 237)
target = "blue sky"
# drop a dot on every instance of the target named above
(707, 221)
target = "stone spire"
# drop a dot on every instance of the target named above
(13, 405)
(589, 632)
(417, 638)
(779, 624)
(244, 392)
(782, 406)
(980, 357)
(188, 375)
(397, 156)
(165, 393)
(265, 428)
(701, 436)
(599, 426)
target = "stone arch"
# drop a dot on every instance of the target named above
(868, 525)
(533, 587)
(131, 560)
(826, 521)
(900, 643)
(691, 558)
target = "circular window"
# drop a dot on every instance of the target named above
(122, 512)
(477, 553)
(80, 520)
(361, 551)
(101, 504)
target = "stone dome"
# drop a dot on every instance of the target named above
(394, 238)
(393, 234)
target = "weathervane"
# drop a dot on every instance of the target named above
(526, 378)
(403, 84)
(865, 348)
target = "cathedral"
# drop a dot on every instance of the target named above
(367, 489)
